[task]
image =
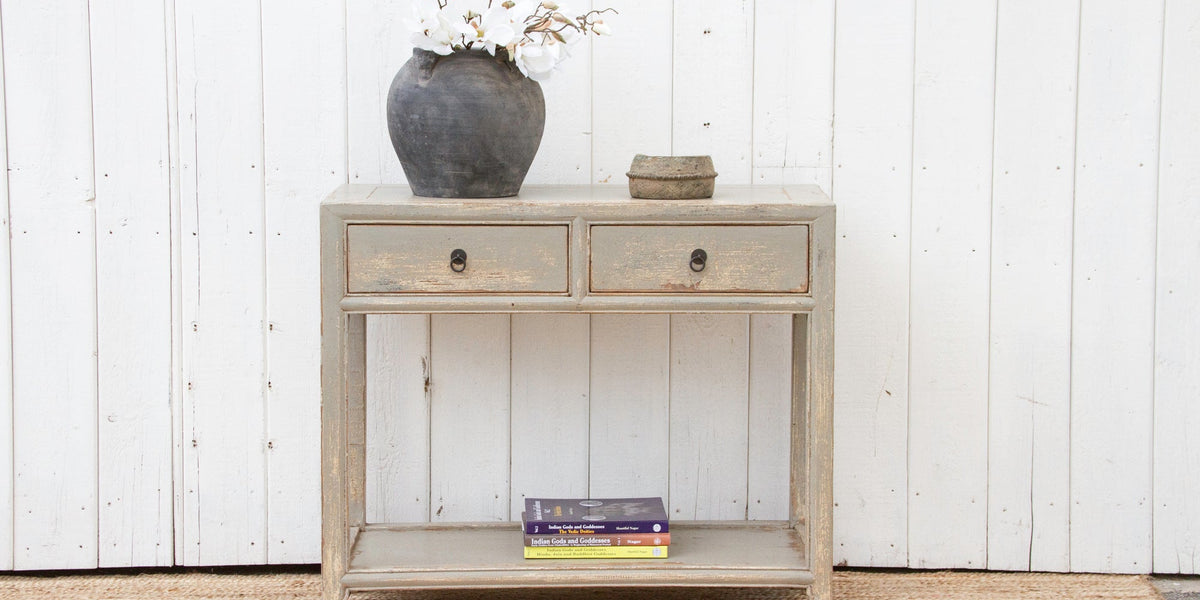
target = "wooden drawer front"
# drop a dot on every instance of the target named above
(740, 258)
(524, 259)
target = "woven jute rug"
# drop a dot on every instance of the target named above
(854, 585)
(848, 585)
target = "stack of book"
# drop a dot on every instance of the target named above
(595, 528)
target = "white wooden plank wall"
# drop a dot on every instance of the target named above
(470, 415)
(1177, 331)
(1029, 404)
(565, 155)
(708, 426)
(793, 92)
(630, 412)
(377, 44)
(223, 218)
(714, 36)
(397, 453)
(6, 358)
(1017, 193)
(633, 111)
(304, 56)
(1112, 316)
(178, 385)
(550, 401)
(133, 252)
(948, 313)
(52, 207)
(770, 398)
(872, 185)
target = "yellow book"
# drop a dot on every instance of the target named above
(596, 552)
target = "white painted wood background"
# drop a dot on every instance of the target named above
(1018, 186)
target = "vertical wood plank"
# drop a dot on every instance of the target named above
(871, 186)
(814, 332)
(550, 400)
(713, 84)
(630, 405)
(804, 409)
(51, 187)
(377, 45)
(793, 91)
(356, 423)
(221, 186)
(397, 418)
(1177, 331)
(304, 111)
(6, 358)
(770, 417)
(951, 223)
(709, 412)
(133, 262)
(631, 108)
(469, 418)
(565, 154)
(1030, 358)
(1112, 346)
(339, 331)
(178, 242)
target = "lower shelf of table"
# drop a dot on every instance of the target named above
(463, 556)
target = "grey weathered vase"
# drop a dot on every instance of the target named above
(465, 125)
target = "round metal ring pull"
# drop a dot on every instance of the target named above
(699, 260)
(458, 260)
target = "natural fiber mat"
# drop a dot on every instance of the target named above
(857, 585)
(848, 585)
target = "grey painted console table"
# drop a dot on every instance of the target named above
(750, 249)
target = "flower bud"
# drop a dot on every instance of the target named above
(550, 5)
(508, 4)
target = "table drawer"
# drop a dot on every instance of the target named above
(521, 259)
(736, 258)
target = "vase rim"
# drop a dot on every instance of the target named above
(468, 51)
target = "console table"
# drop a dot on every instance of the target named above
(749, 249)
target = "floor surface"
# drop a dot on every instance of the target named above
(1178, 587)
(303, 583)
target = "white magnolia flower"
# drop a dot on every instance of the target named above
(497, 28)
(432, 30)
(494, 28)
(515, 53)
(469, 32)
(537, 61)
(536, 33)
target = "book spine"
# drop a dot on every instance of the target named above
(597, 552)
(606, 528)
(631, 539)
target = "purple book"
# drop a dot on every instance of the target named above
(589, 516)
